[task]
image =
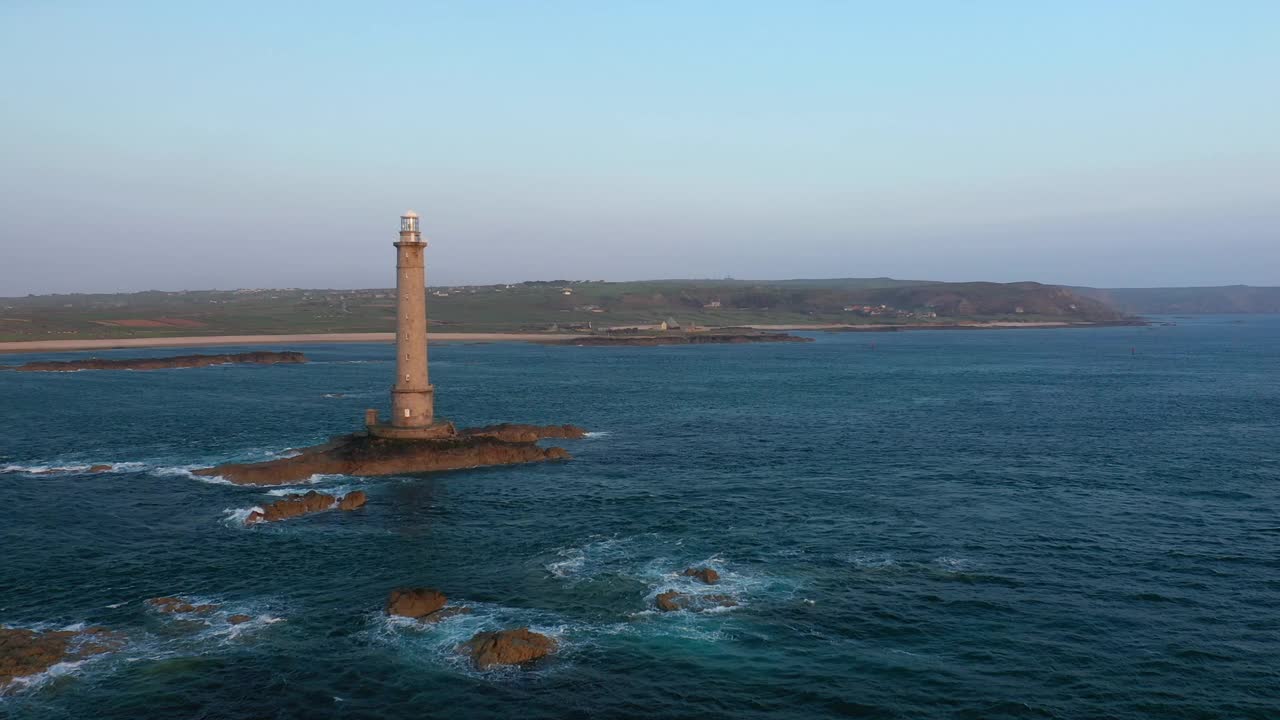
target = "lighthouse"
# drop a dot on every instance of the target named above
(412, 395)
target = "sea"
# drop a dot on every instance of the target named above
(1047, 523)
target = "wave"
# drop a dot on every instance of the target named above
(43, 469)
(216, 624)
(57, 468)
(235, 517)
(316, 479)
(176, 640)
(437, 643)
(599, 434)
(870, 561)
(28, 683)
(186, 471)
(658, 564)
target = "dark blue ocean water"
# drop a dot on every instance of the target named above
(986, 524)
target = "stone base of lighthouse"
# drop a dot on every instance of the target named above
(435, 431)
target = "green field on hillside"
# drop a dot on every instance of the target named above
(541, 306)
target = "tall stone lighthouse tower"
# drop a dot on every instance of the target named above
(412, 396)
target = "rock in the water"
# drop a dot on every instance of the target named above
(670, 601)
(361, 454)
(507, 647)
(181, 361)
(415, 602)
(309, 502)
(673, 600)
(26, 652)
(99, 468)
(239, 618)
(352, 500)
(706, 575)
(521, 433)
(178, 606)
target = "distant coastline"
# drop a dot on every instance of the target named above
(33, 346)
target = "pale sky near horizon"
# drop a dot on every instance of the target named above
(173, 145)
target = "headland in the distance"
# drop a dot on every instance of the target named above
(561, 311)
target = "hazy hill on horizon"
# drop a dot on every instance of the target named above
(536, 306)
(545, 305)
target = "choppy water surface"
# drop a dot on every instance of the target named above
(950, 524)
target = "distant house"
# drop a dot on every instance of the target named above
(669, 324)
(566, 291)
(713, 305)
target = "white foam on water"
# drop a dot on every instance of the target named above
(437, 643)
(599, 554)
(27, 683)
(229, 631)
(59, 469)
(314, 480)
(43, 469)
(235, 517)
(31, 682)
(870, 561)
(186, 471)
(118, 605)
(599, 434)
(954, 564)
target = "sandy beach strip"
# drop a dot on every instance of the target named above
(382, 337)
(872, 327)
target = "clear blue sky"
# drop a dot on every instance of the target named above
(180, 145)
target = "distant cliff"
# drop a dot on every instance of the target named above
(1188, 300)
(180, 361)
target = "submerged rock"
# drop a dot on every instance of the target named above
(309, 502)
(100, 468)
(178, 606)
(239, 618)
(361, 454)
(670, 601)
(673, 600)
(26, 652)
(706, 575)
(507, 647)
(180, 361)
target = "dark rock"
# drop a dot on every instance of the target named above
(706, 575)
(180, 361)
(99, 468)
(239, 618)
(415, 602)
(507, 647)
